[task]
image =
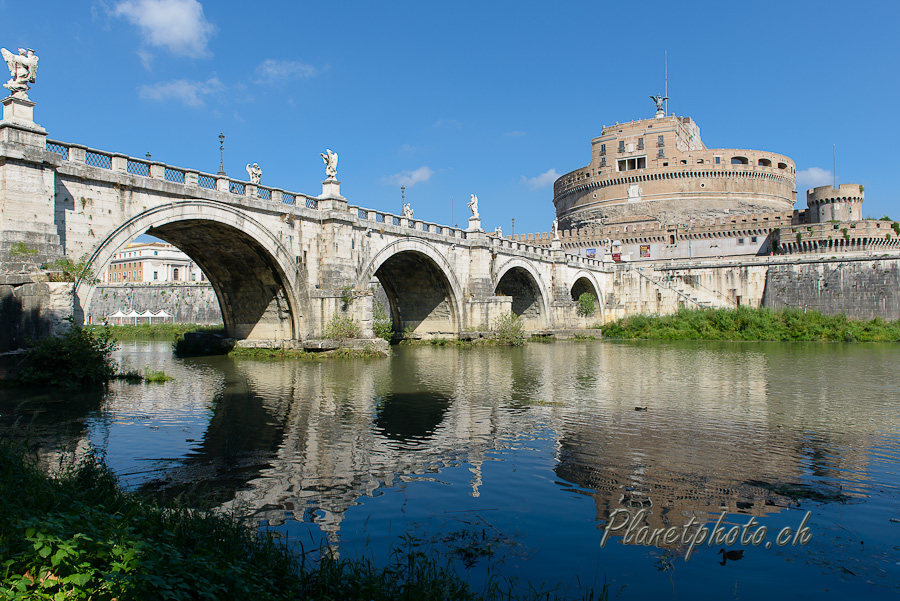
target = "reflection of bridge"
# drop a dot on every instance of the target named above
(282, 264)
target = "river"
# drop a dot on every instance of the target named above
(552, 463)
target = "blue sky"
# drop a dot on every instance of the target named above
(495, 98)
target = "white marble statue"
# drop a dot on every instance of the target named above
(22, 69)
(254, 172)
(407, 211)
(473, 206)
(556, 229)
(331, 161)
(498, 232)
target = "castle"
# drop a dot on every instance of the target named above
(654, 191)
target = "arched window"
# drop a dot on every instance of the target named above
(175, 274)
(739, 161)
(765, 163)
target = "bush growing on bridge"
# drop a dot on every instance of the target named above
(78, 359)
(342, 327)
(381, 324)
(71, 271)
(510, 329)
(586, 305)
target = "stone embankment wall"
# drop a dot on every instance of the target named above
(187, 303)
(858, 289)
(31, 308)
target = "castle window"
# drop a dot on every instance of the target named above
(740, 240)
(753, 239)
(782, 166)
(718, 160)
(765, 163)
(155, 275)
(640, 143)
(602, 149)
(661, 141)
(699, 161)
(739, 161)
(175, 274)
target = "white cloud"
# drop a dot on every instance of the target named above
(272, 70)
(190, 93)
(515, 134)
(544, 179)
(813, 177)
(410, 178)
(178, 25)
(447, 123)
(409, 148)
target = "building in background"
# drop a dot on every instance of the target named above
(151, 263)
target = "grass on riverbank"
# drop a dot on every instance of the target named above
(159, 330)
(744, 323)
(79, 536)
(303, 355)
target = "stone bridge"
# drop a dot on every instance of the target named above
(283, 264)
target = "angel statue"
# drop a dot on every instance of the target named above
(658, 101)
(22, 69)
(254, 172)
(498, 232)
(556, 229)
(407, 211)
(473, 206)
(331, 160)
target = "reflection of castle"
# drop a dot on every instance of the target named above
(653, 191)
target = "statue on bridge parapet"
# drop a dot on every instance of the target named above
(407, 211)
(556, 229)
(331, 162)
(473, 206)
(254, 172)
(22, 69)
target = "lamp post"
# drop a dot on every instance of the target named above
(221, 154)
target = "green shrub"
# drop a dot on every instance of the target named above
(510, 329)
(381, 324)
(342, 327)
(72, 271)
(586, 305)
(78, 359)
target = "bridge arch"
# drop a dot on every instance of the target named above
(584, 281)
(422, 290)
(519, 279)
(251, 271)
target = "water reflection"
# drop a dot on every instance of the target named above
(745, 428)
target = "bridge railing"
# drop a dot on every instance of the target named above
(78, 154)
(404, 223)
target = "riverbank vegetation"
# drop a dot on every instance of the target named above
(170, 331)
(78, 535)
(744, 323)
(79, 358)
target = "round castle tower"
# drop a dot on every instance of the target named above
(843, 203)
(659, 170)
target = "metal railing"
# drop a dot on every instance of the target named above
(206, 181)
(59, 149)
(174, 175)
(138, 168)
(95, 159)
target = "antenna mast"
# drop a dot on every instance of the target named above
(667, 82)
(833, 168)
